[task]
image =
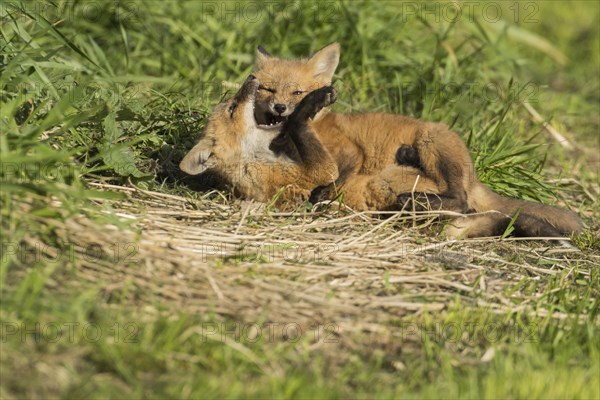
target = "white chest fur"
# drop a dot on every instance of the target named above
(255, 146)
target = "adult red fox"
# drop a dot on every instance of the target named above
(319, 154)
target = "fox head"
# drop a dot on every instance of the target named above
(232, 137)
(224, 133)
(284, 83)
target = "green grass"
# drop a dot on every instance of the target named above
(117, 92)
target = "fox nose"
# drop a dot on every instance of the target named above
(280, 108)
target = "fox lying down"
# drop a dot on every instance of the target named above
(377, 161)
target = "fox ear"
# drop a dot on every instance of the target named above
(325, 61)
(197, 160)
(261, 56)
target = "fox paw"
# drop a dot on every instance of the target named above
(408, 155)
(315, 101)
(322, 193)
(418, 201)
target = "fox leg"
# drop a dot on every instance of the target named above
(376, 191)
(495, 223)
(420, 201)
(303, 162)
(445, 159)
(298, 141)
(408, 155)
(442, 157)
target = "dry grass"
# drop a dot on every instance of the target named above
(349, 288)
(349, 269)
(90, 96)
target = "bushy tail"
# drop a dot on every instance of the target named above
(533, 220)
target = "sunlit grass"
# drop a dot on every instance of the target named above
(117, 92)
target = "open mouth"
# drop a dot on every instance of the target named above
(267, 120)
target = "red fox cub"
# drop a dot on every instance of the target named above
(243, 151)
(295, 160)
(290, 159)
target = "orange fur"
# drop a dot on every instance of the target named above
(356, 155)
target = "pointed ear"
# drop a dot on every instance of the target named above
(325, 61)
(198, 159)
(262, 55)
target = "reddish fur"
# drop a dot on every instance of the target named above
(365, 146)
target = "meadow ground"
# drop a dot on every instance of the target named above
(121, 277)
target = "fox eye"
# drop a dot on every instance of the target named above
(266, 89)
(297, 92)
(232, 108)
